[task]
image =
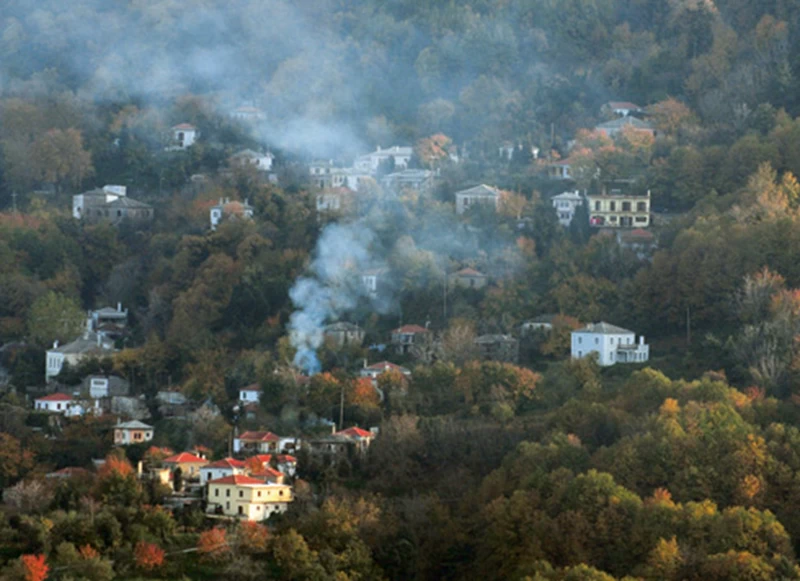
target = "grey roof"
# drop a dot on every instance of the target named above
(86, 344)
(568, 196)
(488, 339)
(481, 190)
(623, 121)
(603, 328)
(111, 312)
(249, 153)
(134, 425)
(126, 202)
(342, 326)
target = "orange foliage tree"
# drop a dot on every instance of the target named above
(253, 538)
(35, 567)
(149, 556)
(213, 545)
(363, 394)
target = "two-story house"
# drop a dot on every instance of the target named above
(403, 338)
(418, 180)
(221, 469)
(468, 278)
(610, 343)
(250, 158)
(109, 204)
(566, 204)
(230, 210)
(343, 333)
(370, 162)
(246, 497)
(183, 136)
(619, 208)
(190, 464)
(498, 348)
(250, 394)
(482, 194)
(262, 443)
(134, 432)
(89, 345)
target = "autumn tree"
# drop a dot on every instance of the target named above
(15, 460)
(35, 567)
(148, 556)
(212, 546)
(61, 159)
(253, 538)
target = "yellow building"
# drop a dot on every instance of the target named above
(615, 209)
(247, 498)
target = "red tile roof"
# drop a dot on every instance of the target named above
(469, 272)
(185, 458)
(405, 329)
(384, 365)
(355, 432)
(267, 472)
(184, 126)
(226, 463)
(55, 397)
(260, 437)
(237, 479)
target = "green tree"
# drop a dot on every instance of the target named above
(55, 317)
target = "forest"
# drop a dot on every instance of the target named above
(544, 467)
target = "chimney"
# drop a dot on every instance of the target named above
(119, 307)
(641, 340)
(365, 363)
(55, 344)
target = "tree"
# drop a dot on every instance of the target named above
(55, 317)
(253, 538)
(213, 546)
(60, 158)
(35, 567)
(148, 556)
(15, 460)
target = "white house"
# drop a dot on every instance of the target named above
(82, 203)
(134, 432)
(263, 442)
(59, 403)
(560, 170)
(376, 369)
(565, 205)
(229, 210)
(372, 161)
(482, 194)
(250, 394)
(371, 279)
(90, 345)
(622, 108)
(248, 157)
(403, 338)
(612, 344)
(221, 469)
(418, 180)
(248, 113)
(183, 136)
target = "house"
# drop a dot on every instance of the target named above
(361, 438)
(268, 474)
(262, 442)
(615, 126)
(221, 469)
(621, 108)
(250, 394)
(418, 180)
(89, 345)
(227, 210)
(614, 207)
(342, 334)
(640, 241)
(110, 204)
(371, 162)
(566, 204)
(134, 432)
(57, 403)
(104, 386)
(109, 323)
(184, 136)
(498, 348)
(248, 113)
(189, 464)
(377, 369)
(468, 278)
(612, 344)
(250, 158)
(333, 200)
(560, 170)
(372, 279)
(134, 407)
(403, 338)
(542, 323)
(286, 463)
(482, 194)
(246, 497)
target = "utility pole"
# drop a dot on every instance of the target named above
(444, 302)
(688, 327)
(341, 409)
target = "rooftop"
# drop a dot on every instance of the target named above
(185, 458)
(133, 425)
(55, 397)
(603, 328)
(239, 480)
(469, 272)
(410, 329)
(259, 436)
(355, 432)
(226, 463)
(481, 190)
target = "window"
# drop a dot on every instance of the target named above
(641, 206)
(612, 206)
(241, 510)
(259, 494)
(241, 494)
(626, 206)
(580, 340)
(597, 206)
(641, 218)
(280, 493)
(228, 505)
(611, 340)
(228, 492)
(580, 353)
(216, 490)
(596, 341)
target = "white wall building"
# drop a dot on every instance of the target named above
(183, 136)
(611, 343)
(90, 345)
(230, 210)
(81, 203)
(250, 394)
(565, 205)
(371, 161)
(482, 194)
(248, 157)
(221, 469)
(58, 403)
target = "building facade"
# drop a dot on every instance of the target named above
(610, 343)
(247, 498)
(565, 205)
(482, 194)
(613, 208)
